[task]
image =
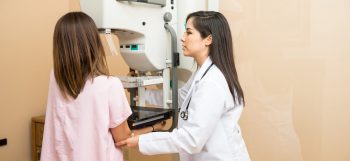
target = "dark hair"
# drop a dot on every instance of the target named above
(78, 53)
(221, 50)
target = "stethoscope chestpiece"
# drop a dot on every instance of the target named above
(184, 115)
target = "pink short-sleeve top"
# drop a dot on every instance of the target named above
(79, 129)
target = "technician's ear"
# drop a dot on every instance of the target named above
(208, 40)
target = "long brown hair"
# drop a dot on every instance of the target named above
(78, 53)
(221, 50)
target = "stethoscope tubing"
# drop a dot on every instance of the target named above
(184, 114)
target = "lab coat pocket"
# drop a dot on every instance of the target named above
(235, 140)
(240, 152)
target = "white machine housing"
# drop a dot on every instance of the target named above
(139, 27)
(145, 44)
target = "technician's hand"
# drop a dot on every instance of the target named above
(132, 142)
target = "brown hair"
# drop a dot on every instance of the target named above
(221, 50)
(78, 53)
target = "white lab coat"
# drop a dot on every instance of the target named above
(211, 132)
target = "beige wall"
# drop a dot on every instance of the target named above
(25, 62)
(292, 58)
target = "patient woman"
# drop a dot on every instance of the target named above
(86, 108)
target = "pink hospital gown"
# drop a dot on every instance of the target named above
(79, 130)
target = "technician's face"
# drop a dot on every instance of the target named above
(192, 42)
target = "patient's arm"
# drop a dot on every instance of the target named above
(156, 127)
(123, 131)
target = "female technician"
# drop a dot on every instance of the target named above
(210, 103)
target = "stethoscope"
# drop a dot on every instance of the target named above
(184, 114)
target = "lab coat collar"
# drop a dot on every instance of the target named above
(196, 79)
(202, 69)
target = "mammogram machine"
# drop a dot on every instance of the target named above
(149, 33)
